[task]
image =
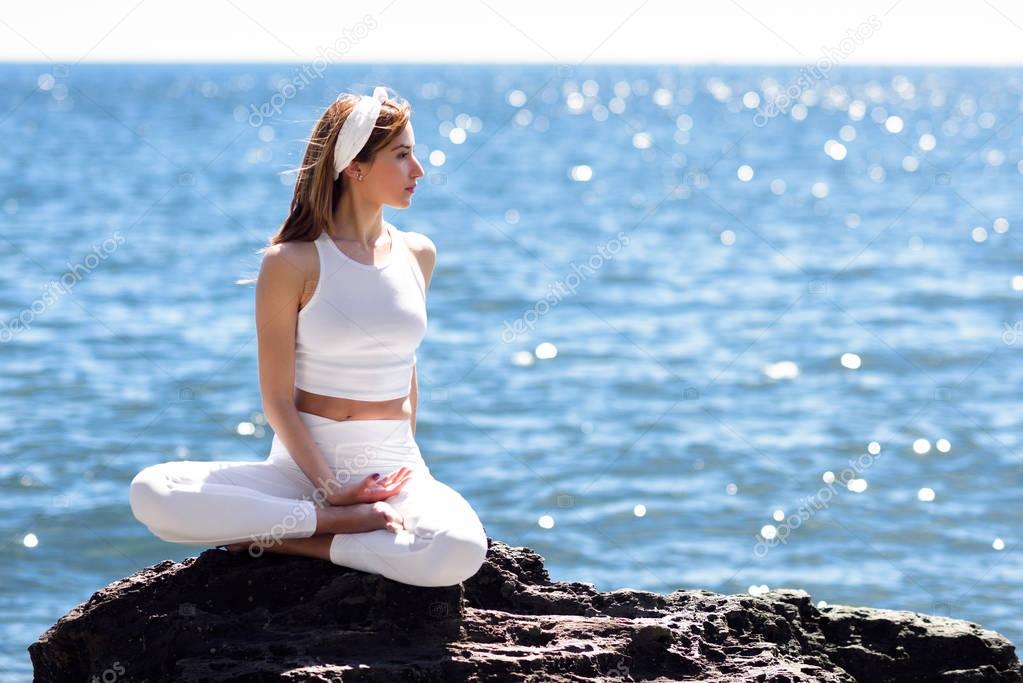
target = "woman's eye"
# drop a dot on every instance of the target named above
(403, 155)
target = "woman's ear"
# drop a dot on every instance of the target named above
(355, 171)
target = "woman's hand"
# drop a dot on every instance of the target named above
(371, 489)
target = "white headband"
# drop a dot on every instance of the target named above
(356, 129)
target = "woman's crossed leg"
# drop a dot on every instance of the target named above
(437, 538)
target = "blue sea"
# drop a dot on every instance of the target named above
(730, 328)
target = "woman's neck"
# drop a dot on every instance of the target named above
(355, 221)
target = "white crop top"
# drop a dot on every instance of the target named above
(357, 336)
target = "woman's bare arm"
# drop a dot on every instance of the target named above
(414, 397)
(278, 293)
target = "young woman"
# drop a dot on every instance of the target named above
(340, 312)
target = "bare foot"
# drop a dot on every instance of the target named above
(341, 519)
(353, 519)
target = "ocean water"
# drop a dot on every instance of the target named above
(728, 328)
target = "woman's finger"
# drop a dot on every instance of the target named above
(380, 488)
(387, 491)
(391, 481)
(397, 484)
(397, 474)
(369, 481)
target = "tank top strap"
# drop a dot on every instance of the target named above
(323, 248)
(321, 254)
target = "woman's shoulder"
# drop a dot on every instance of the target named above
(420, 244)
(295, 260)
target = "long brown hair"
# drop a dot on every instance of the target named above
(316, 192)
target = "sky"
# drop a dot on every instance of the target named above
(894, 32)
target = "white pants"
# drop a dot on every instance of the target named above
(220, 502)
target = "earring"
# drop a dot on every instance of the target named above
(360, 176)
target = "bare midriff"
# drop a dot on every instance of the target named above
(341, 409)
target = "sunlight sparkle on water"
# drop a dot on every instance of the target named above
(523, 359)
(546, 351)
(835, 150)
(893, 124)
(785, 369)
(581, 173)
(516, 98)
(857, 485)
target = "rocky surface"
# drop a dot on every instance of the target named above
(230, 617)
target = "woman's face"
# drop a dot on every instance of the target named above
(394, 172)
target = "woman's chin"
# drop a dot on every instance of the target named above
(402, 203)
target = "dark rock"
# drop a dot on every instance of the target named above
(230, 617)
